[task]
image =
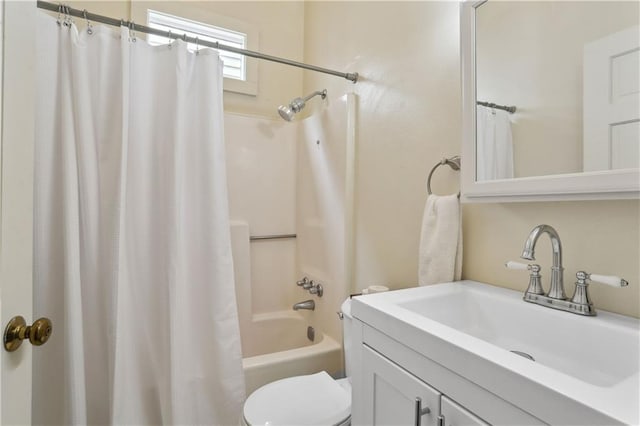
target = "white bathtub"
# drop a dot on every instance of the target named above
(275, 346)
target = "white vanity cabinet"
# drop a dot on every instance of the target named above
(393, 396)
(388, 378)
(389, 393)
(454, 414)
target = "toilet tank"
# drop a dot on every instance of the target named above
(347, 320)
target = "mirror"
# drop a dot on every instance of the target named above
(551, 94)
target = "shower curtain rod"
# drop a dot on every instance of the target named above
(66, 10)
(509, 109)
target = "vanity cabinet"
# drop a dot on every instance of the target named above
(388, 378)
(393, 396)
(454, 414)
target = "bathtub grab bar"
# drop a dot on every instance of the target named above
(271, 237)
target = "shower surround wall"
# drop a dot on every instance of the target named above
(324, 210)
(261, 170)
(285, 178)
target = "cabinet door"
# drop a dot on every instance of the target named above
(390, 392)
(456, 415)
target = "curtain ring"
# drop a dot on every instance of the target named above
(132, 32)
(89, 26)
(59, 15)
(197, 46)
(184, 37)
(170, 37)
(65, 11)
(70, 18)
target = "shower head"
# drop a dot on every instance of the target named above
(295, 106)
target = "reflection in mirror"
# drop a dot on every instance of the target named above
(571, 70)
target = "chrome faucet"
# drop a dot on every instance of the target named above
(307, 304)
(556, 298)
(556, 290)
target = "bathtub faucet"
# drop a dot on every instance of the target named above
(307, 304)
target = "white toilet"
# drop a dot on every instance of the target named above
(316, 399)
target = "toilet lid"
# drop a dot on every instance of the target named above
(316, 399)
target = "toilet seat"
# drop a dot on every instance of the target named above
(316, 399)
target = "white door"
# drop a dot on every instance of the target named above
(611, 115)
(16, 224)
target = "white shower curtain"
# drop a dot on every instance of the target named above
(132, 244)
(494, 145)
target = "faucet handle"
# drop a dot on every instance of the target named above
(317, 289)
(611, 280)
(534, 268)
(581, 296)
(303, 281)
(535, 284)
(516, 265)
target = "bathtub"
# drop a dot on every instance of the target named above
(275, 346)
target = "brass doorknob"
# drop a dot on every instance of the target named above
(17, 330)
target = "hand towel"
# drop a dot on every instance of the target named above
(440, 254)
(494, 149)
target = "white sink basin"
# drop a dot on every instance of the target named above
(594, 361)
(602, 351)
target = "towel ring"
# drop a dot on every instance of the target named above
(453, 162)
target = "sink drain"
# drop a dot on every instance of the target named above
(523, 354)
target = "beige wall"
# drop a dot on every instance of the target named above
(597, 236)
(409, 117)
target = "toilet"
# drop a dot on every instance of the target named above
(316, 399)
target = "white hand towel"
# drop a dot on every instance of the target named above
(440, 255)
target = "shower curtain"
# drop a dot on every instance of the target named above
(132, 243)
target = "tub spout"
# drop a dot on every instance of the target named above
(307, 304)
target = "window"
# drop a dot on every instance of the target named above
(237, 75)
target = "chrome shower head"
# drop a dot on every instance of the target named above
(288, 111)
(285, 112)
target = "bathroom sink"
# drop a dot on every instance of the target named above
(475, 328)
(602, 351)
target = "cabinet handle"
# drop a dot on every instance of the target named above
(420, 411)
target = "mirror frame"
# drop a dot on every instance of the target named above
(598, 185)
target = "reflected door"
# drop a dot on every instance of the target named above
(612, 102)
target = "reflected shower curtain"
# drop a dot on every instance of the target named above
(132, 248)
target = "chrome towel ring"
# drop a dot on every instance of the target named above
(453, 162)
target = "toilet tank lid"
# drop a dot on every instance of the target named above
(346, 308)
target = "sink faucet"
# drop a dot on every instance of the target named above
(580, 303)
(307, 304)
(556, 290)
